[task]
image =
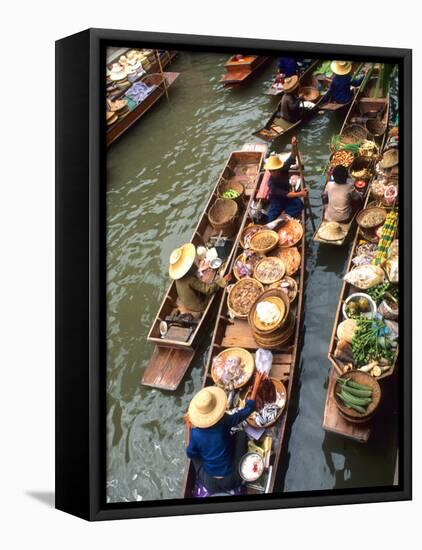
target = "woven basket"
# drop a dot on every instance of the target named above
(310, 93)
(367, 380)
(375, 127)
(245, 357)
(361, 164)
(236, 186)
(353, 134)
(274, 331)
(236, 288)
(222, 216)
(268, 233)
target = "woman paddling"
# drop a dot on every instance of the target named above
(340, 90)
(216, 453)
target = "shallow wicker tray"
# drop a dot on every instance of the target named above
(290, 256)
(292, 281)
(235, 273)
(262, 327)
(246, 358)
(293, 227)
(247, 230)
(273, 235)
(361, 378)
(360, 218)
(235, 288)
(275, 331)
(270, 260)
(281, 390)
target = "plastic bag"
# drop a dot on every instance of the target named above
(263, 360)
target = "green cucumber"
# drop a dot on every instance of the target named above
(357, 386)
(349, 405)
(356, 392)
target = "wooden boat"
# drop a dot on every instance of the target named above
(278, 91)
(278, 126)
(236, 333)
(171, 357)
(358, 113)
(241, 70)
(161, 81)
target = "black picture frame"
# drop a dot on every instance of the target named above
(80, 276)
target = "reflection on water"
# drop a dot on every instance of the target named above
(159, 176)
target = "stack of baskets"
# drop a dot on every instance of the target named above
(276, 335)
(223, 216)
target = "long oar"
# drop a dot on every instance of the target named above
(302, 179)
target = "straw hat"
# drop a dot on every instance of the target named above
(207, 407)
(122, 60)
(274, 162)
(389, 159)
(332, 231)
(181, 260)
(117, 72)
(290, 84)
(341, 67)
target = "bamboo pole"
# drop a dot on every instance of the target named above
(157, 56)
(306, 199)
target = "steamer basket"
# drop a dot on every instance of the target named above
(223, 216)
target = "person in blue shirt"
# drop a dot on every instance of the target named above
(340, 90)
(287, 66)
(214, 451)
(281, 199)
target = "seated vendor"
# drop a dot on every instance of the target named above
(281, 199)
(287, 66)
(291, 103)
(340, 197)
(340, 90)
(214, 451)
(192, 292)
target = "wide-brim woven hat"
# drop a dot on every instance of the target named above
(332, 231)
(274, 162)
(341, 67)
(389, 159)
(207, 407)
(117, 72)
(290, 84)
(181, 260)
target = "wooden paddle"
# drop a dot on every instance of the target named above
(305, 199)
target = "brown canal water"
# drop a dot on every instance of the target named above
(159, 177)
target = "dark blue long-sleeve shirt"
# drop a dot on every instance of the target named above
(213, 446)
(339, 90)
(287, 66)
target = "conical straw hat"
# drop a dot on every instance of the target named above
(181, 260)
(341, 67)
(274, 162)
(207, 407)
(332, 231)
(290, 84)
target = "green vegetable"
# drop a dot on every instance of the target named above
(369, 342)
(231, 194)
(354, 391)
(378, 292)
(357, 408)
(362, 401)
(357, 386)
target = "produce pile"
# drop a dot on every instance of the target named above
(230, 371)
(231, 194)
(369, 342)
(353, 395)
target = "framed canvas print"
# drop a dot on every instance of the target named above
(233, 274)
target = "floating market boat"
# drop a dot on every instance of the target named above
(366, 112)
(241, 68)
(175, 349)
(314, 84)
(158, 84)
(235, 332)
(341, 356)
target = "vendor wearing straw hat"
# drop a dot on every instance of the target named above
(281, 199)
(291, 103)
(340, 197)
(192, 292)
(214, 451)
(340, 88)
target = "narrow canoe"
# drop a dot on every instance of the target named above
(161, 82)
(358, 108)
(238, 72)
(227, 334)
(171, 358)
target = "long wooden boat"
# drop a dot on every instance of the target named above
(277, 126)
(238, 71)
(172, 357)
(278, 91)
(332, 420)
(161, 82)
(358, 113)
(236, 333)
